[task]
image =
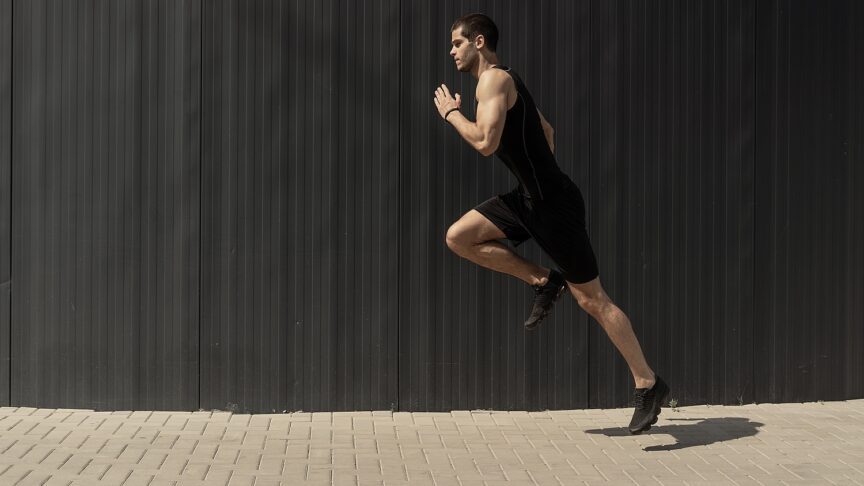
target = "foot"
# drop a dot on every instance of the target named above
(544, 296)
(648, 403)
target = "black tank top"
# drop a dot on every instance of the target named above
(524, 149)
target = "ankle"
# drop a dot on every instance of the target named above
(646, 382)
(542, 278)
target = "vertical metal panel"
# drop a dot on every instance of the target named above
(670, 206)
(5, 193)
(809, 209)
(105, 204)
(671, 193)
(462, 343)
(852, 296)
(300, 145)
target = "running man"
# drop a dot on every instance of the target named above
(546, 205)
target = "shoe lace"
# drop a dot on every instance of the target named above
(640, 399)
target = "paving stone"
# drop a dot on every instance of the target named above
(752, 444)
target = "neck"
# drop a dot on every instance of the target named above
(483, 65)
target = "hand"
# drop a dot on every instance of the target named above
(444, 101)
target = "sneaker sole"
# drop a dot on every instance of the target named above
(531, 327)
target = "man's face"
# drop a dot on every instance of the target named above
(464, 52)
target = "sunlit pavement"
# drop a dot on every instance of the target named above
(810, 443)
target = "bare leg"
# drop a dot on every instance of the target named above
(593, 299)
(473, 237)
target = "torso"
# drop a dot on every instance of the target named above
(523, 147)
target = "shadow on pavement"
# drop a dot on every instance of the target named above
(705, 431)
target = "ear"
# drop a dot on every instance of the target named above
(479, 41)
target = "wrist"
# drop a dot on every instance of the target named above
(451, 110)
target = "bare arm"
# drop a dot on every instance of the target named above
(548, 131)
(484, 134)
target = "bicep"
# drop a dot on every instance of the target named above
(491, 113)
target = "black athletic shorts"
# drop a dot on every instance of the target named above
(557, 224)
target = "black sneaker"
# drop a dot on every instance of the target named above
(648, 403)
(544, 296)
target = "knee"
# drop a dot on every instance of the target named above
(593, 304)
(456, 238)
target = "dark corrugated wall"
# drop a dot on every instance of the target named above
(299, 224)
(462, 343)
(642, 99)
(267, 185)
(671, 192)
(105, 204)
(809, 240)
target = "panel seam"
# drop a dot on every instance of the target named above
(399, 213)
(589, 188)
(11, 188)
(753, 263)
(200, 174)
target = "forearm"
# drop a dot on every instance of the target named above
(468, 130)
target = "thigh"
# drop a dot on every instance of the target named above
(474, 227)
(500, 215)
(558, 225)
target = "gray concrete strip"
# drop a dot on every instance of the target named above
(809, 443)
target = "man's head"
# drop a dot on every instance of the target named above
(472, 36)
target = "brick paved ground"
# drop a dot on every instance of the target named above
(812, 443)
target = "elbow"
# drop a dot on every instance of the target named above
(486, 148)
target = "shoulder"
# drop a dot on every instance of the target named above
(493, 82)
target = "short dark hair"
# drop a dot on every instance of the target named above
(475, 24)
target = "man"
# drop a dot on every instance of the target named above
(546, 205)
